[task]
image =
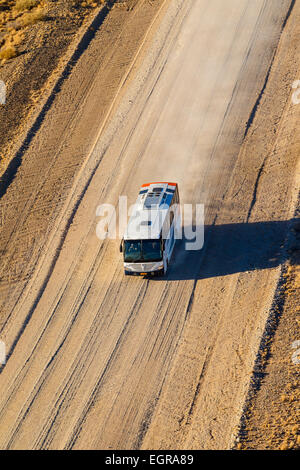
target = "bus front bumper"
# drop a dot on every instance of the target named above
(143, 269)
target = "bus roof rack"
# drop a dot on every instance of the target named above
(150, 211)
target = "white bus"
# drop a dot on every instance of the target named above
(149, 239)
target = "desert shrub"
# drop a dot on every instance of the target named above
(32, 17)
(22, 5)
(8, 52)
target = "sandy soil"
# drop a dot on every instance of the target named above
(96, 360)
(271, 416)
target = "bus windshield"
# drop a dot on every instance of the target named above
(136, 251)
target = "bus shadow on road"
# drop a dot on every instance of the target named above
(229, 249)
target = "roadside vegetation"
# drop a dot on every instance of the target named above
(16, 18)
(35, 35)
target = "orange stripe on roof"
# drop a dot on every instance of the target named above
(159, 182)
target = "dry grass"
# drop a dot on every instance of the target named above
(15, 17)
(8, 52)
(32, 17)
(91, 3)
(22, 5)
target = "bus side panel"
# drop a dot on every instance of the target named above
(170, 242)
(171, 239)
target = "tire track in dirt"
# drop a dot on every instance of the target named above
(54, 202)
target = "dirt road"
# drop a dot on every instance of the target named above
(97, 360)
